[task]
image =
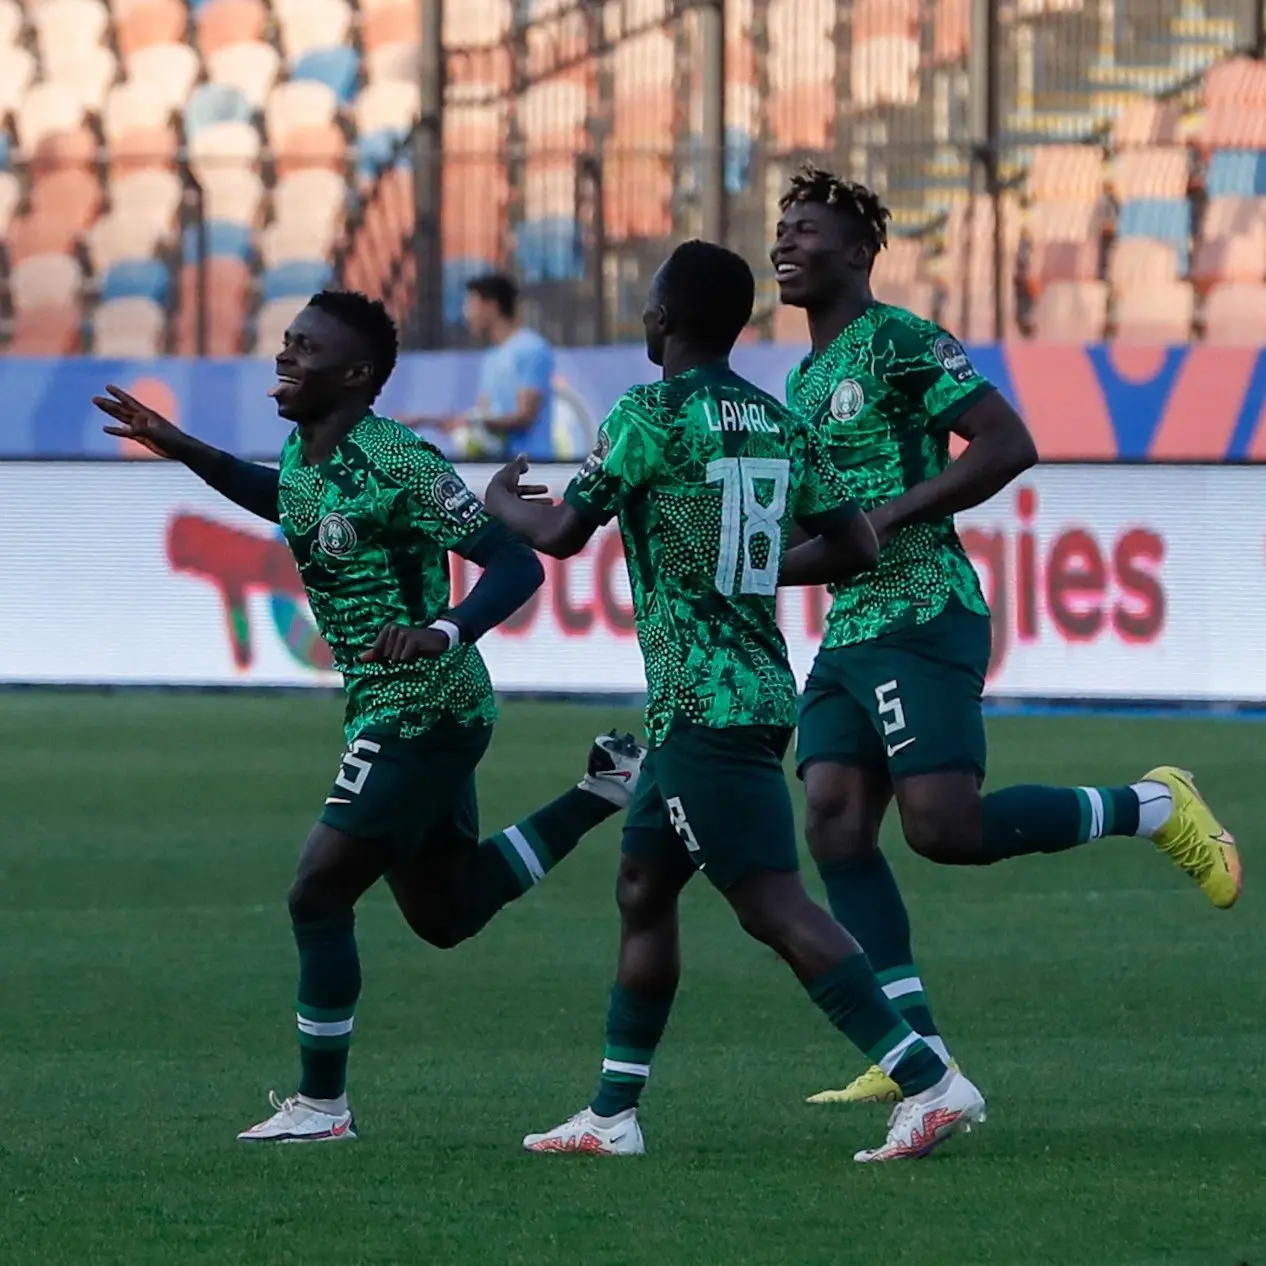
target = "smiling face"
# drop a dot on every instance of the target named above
(817, 252)
(321, 365)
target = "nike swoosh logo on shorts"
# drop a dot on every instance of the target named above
(340, 800)
(894, 748)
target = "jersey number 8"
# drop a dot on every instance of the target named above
(744, 518)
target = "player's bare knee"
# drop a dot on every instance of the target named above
(312, 897)
(640, 894)
(944, 829)
(838, 824)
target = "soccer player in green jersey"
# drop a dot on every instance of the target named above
(892, 707)
(371, 512)
(707, 474)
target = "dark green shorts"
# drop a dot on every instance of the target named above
(411, 794)
(715, 801)
(909, 702)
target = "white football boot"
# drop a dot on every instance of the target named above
(295, 1120)
(619, 1135)
(615, 761)
(923, 1122)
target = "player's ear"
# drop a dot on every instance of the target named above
(359, 374)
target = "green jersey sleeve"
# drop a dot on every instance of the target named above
(627, 454)
(929, 366)
(435, 500)
(823, 492)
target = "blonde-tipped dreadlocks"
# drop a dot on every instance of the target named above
(812, 184)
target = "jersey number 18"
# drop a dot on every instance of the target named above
(744, 518)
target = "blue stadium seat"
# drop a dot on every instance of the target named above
(299, 277)
(457, 272)
(215, 103)
(337, 68)
(6, 151)
(1161, 219)
(374, 151)
(137, 279)
(549, 249)
(1236, 173)
(224, 237)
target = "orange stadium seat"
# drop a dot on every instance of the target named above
(884, 70)
(1150, 171)
(159, 22)
(33, 236)
(399, 60)
(1237, 257)
(228, 286)
(320, 146)
(1235, 315)
(1147, 122)
(73, 194)
(223, 22)
(144, 149)
(1072, 259)
(1155, 313)
(388, 24)
(1066, 173)
(10, 197)
(47, 330)
(1135, 262)
(951, 32)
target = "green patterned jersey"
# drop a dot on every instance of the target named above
(706, 473)
(883, 396)
(371, 528)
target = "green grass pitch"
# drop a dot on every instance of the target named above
(1115, 1021)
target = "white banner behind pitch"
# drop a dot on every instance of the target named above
(1109, 581)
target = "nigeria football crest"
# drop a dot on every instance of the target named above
(336, 536)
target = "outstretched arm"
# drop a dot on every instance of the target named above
(554, 528)
(845, 545)
(512, 573)
(999, 448)
(252, 487)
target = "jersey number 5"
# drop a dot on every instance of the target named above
(744, 518)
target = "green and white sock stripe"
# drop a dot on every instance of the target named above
(623, 1063)
(324, 1028)
(1096, 812)
(901, 985)
(525, 852)
(895, 1047)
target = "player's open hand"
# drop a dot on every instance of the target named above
(403, 644)
(135, 421)
(505, 484)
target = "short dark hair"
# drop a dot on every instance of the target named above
(498, 288)
(710, 290)
(862, 205)
(371, 321)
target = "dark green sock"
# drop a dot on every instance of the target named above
(864, 898)
(329, 985)
(851, 998)
(513, 861)
(1018, 821)
(635, 1024)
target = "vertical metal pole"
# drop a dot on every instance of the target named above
(712, 41)
(428, 175)
(203, 250)
(984, 129)
(1259, 29)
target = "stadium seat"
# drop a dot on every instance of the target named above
(1066, 173)
(885, 71)
(211, 104)
(233, 195)
(118, 236)
(135, 105)
(48, 108)
(227, 292)
(17, 70)
(73, 194)
(144, 149)
(549, 250)
(137, 279)
(1237, 81)
(1072, 259)
(376, 150)
(250, 66)
(48, 280)
(65, 30)
(298, 277)
(388, 24)
(314, 24)
(336, 68)
(317, 197)
(223, 145)
(1233, 125)
(1064, 222)
(89, 75)
(46, 330)
(1135, 262)
(1160, 313)
(286, 242)
(397, 61)
(1150, 171)
(10, 196)
(153, 196)
(168, 71)
(1235, 315)
(227, 238)
(1235, 257)
(298, 105)
(387, 105)
(1147, 122)
(31, 236)
(222, 22)
(1071, 312)
(11, 21)
(160, 23)
(273, 319)
(1236, 173)
(132, 327)
(1165, 220)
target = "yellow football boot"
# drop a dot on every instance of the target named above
(1196, 841)
(873, 1086)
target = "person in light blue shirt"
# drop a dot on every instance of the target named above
(515, 404)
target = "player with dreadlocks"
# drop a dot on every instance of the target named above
(371, 512)
(892, 706)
